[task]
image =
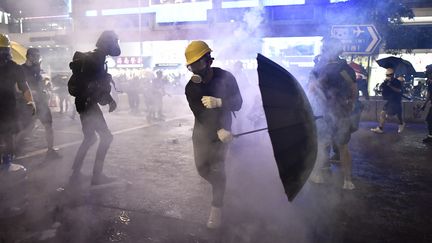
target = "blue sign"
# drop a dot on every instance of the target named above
(357, 39)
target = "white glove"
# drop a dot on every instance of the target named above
(224, 135)
(211, 102)
(33, 107)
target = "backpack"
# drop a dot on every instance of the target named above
(90, 81)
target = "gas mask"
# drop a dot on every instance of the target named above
(114, 49)
(199, 69)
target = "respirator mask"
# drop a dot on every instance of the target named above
(199, 70)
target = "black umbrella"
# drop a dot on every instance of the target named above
(291, 124)
(400, 66)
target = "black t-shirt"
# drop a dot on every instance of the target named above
(33, 77)
(11, 74)
(429, 88)
(335, 79)
(223, 85)
(388, 93)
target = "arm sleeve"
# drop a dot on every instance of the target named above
(20, 79)
(209, 117)
(233, 100)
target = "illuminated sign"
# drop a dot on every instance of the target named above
(129, 62)
(4, 17)
(357, 39)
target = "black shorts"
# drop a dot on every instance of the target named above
(392, 108)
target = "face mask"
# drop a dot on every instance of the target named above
(114, 49)
(199, 70)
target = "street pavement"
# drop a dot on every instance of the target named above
(159, 196)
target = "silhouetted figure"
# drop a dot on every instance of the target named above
(32, 71)
(332, 83)
(428, 139)
(91, 86)
(392, 94)
(11, 75)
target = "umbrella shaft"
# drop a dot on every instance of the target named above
(253, 131)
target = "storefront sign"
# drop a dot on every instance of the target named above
(129, 62)
(4, 17)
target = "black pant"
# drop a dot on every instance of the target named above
(429, 121)
(210, 163)
(93, 122)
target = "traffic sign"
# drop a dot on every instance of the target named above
(357, 39)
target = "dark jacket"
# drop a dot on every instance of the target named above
(90, 82)
(208, 121)
(335, 79)
(11, 74)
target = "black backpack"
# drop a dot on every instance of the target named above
(90, 81)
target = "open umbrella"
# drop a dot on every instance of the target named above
(400, 66)
(291, 124)
(18, 52)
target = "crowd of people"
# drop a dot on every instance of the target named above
(213, 94)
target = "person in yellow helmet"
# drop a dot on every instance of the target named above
(11, 75)
(212, 94)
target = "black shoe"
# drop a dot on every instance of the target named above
(427, 140)
(102, 179)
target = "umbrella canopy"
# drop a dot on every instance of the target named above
(291, 124)
(400, 66)
(358, 68)
(18, 52)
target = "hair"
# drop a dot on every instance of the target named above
(32, 51)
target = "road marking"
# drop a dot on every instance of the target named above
(65, 145)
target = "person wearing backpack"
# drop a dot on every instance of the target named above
(332, 84)
(90, 84)
(212, 94)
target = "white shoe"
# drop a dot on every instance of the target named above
(377, 130)
(14, 167)
(401, 128)
(317, 178)
(215, 218)
(348, 185)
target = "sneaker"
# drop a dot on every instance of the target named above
(11, 167)
(377, 130)
(428, 139)
(102, 179)
(401, 128)
(215, 218)
(348, 185)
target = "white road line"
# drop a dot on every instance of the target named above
(65, 145)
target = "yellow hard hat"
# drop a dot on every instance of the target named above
(4, 40)
(195, 50)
